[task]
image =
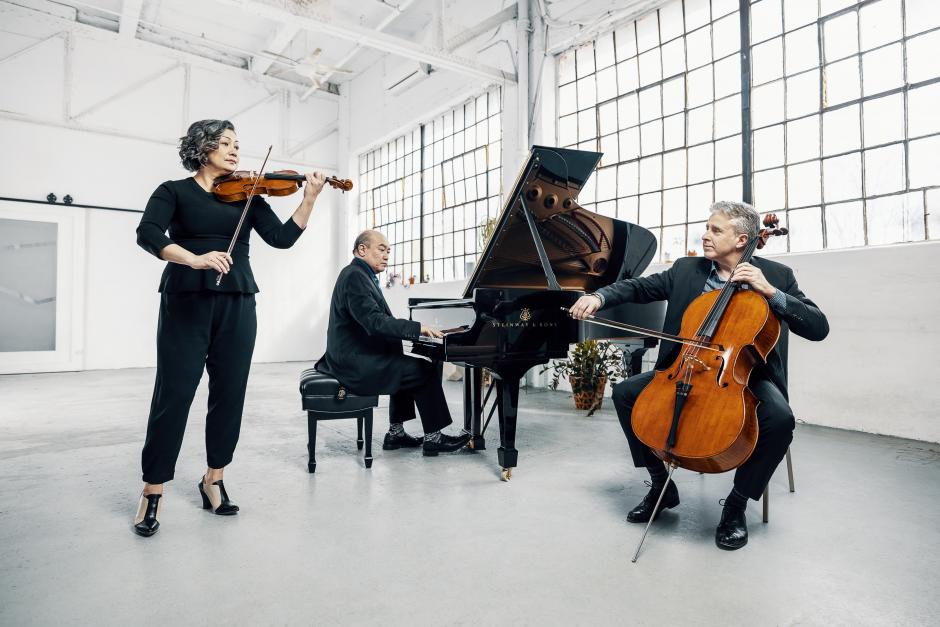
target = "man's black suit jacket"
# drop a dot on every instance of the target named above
(685, 280)
(363, 342)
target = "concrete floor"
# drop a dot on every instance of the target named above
(439, 541)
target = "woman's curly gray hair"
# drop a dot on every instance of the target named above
(201, 138)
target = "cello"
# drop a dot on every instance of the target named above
(698, 413)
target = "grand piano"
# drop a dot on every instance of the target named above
(545, 253)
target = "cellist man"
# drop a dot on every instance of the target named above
(727, 232)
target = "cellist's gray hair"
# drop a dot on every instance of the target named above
(743, 216)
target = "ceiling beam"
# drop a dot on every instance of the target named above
(130, 17)
(374, 39)
(281, 38)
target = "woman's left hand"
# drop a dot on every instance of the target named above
(315, 181)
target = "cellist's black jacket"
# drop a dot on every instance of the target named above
(363, 343)
(685, 280)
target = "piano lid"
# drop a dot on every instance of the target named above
(584, 250)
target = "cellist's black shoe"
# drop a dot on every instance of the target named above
(402, 440)
(642, 512)
(731, 533)
(215, 498)
(447, 444)
(147, 522)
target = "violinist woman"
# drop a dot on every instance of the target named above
(729, 228)
(203, 325)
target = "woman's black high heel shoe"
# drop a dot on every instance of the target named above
(147, 521)
(215, 498)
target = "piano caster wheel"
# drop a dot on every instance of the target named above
(505, 474)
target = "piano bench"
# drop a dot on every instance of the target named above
(324, 398)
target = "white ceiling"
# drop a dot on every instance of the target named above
(321, 44)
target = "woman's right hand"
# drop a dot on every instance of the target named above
(215, 260)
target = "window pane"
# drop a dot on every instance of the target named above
(568, 130)
(651, 137)
(728, 116)
(845, 225)
(671, 24)
(627, 78)
(728, 76)
(803, 184)
(674, 131)
(841, 130)
(923, 62)
(606, 84)
(606, 184)
(768, 147)
(769, 190)
(884, 119)
(840, 35)
(674, 170)
(882, 69)
(587, 92)
(923, 110)
(803, 139)
(628, 179)
(897, 218)
(604, 51)
(933, 213)
(647, 32)
(767, 61)
(884, 170)
(802, 50)
(701, 163)
(796, 13)
(566, 68)
(674, 206)
(673, 243)
(767, 104)
(700, 199)
(842, 177)
(924, 155)
(728, 156)
(726, 35)
(880, 23)
(673, 96)
(729, 188)
(651, 210)
(673, 58)
(651, 173)
(607, 118)
(803, 94)
(698, 48)
(700, 125)
(650, 104)
(921, 15)
(567, 99)
(650, 67)
(697, 14)
(805, 229)
(699, 85)
(766, 19)
(587, 125)
(585, 58)
(629, 143)
(628, 111)
(841, 82)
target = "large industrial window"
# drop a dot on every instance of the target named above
(845, 119)
(439, 183)
(660, 97)
(846, 116)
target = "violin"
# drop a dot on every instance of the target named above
(237, 186)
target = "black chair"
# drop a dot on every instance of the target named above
(324, 398)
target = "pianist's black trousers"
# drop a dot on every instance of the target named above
(775, 432)
(421, 386)
(196, 330)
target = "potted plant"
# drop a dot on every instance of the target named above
(591, 364)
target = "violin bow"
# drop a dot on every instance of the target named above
(231, 245)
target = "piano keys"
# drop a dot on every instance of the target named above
(545, 253)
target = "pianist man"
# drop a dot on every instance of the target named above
(726, 235)
(364, 352)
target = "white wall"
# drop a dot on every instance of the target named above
(81, 122)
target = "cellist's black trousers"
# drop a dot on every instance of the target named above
(214, 331)
(775, 432)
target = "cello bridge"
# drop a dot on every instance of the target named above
(692, 360)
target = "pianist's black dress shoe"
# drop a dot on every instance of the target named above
(146, 522)
(447, 444)
(215, 498)
(732, 530)
(642, 512)
(402, 440)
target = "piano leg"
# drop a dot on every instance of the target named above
(473, 407)
(507, 398)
